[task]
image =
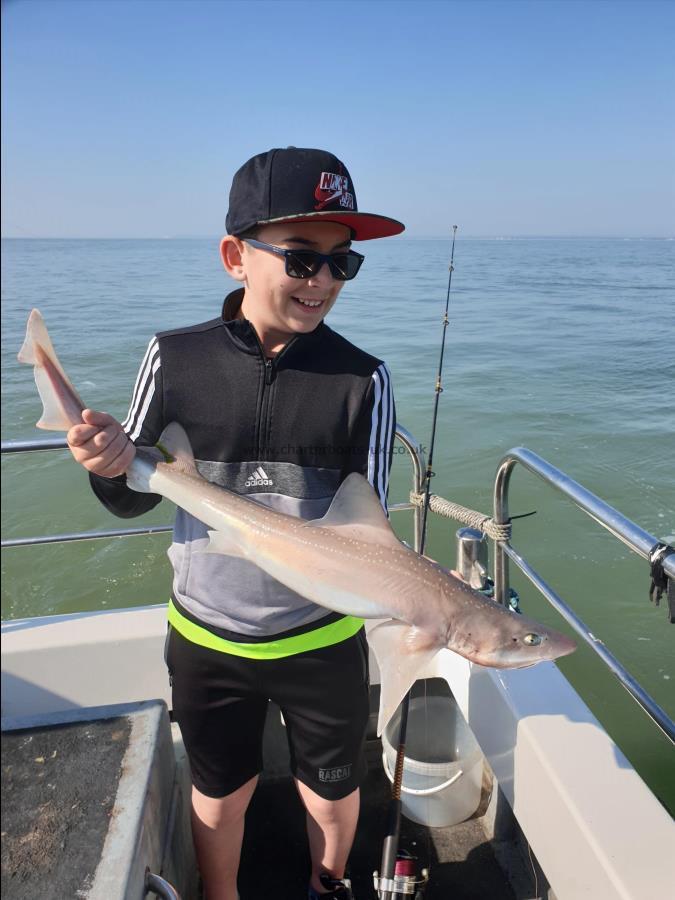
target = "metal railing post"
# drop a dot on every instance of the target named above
(501, 517)
(414, 448)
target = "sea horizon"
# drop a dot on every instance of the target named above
(397, 238)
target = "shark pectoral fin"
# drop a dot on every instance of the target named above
(357, 513)
(402, 651)
(227, 544)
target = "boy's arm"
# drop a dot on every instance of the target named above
(143, 426)
(374, 441)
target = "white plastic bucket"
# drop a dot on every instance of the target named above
(443, 765)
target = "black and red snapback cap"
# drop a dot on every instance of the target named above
(300, 185)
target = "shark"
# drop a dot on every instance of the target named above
(350, 561)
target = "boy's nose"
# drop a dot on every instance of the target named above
(323, 276)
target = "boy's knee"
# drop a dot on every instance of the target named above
(327, 810)
(214, 812)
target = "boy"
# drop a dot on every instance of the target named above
(279, 407)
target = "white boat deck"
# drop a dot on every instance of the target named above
(593, 825)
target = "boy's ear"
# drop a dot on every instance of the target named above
(231, 254)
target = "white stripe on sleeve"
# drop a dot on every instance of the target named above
(148, 397)
(141, 385)
(382, 423)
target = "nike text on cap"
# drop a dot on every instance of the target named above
(299, 185)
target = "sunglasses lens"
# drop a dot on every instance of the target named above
(344, 266)
(305, 263)
(302, 264)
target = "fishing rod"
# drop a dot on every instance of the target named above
(438, 390)
(396, 881)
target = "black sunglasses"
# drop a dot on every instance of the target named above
(305, 263)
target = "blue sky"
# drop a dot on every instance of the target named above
(128, 119)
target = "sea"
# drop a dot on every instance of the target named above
(563, 346)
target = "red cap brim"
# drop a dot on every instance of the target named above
(365, 226)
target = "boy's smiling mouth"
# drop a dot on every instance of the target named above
(309, 304)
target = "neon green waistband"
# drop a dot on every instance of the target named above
(299, 643)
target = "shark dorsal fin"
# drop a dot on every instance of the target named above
(175, 447)
(357, 513)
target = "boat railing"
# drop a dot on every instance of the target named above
(639, 540)
(61, 444)
(43, 444)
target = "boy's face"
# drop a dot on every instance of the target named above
(277, 304)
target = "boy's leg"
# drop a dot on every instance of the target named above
(323, 695)
(218, 831)
(331, 826)
(221, 717)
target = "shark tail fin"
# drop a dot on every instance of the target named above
(402, 652)
(61, 405)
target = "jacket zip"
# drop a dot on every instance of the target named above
(269, 374)
(264, 410)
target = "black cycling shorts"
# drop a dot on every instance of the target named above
(220, 702)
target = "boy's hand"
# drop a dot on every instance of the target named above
(100, 444)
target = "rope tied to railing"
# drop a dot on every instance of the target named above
(472, 517)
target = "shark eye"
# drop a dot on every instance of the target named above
(532, 639)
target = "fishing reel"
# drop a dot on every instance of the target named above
(407, 882)
(514, 596)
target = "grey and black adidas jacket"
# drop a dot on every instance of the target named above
(284, 432)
